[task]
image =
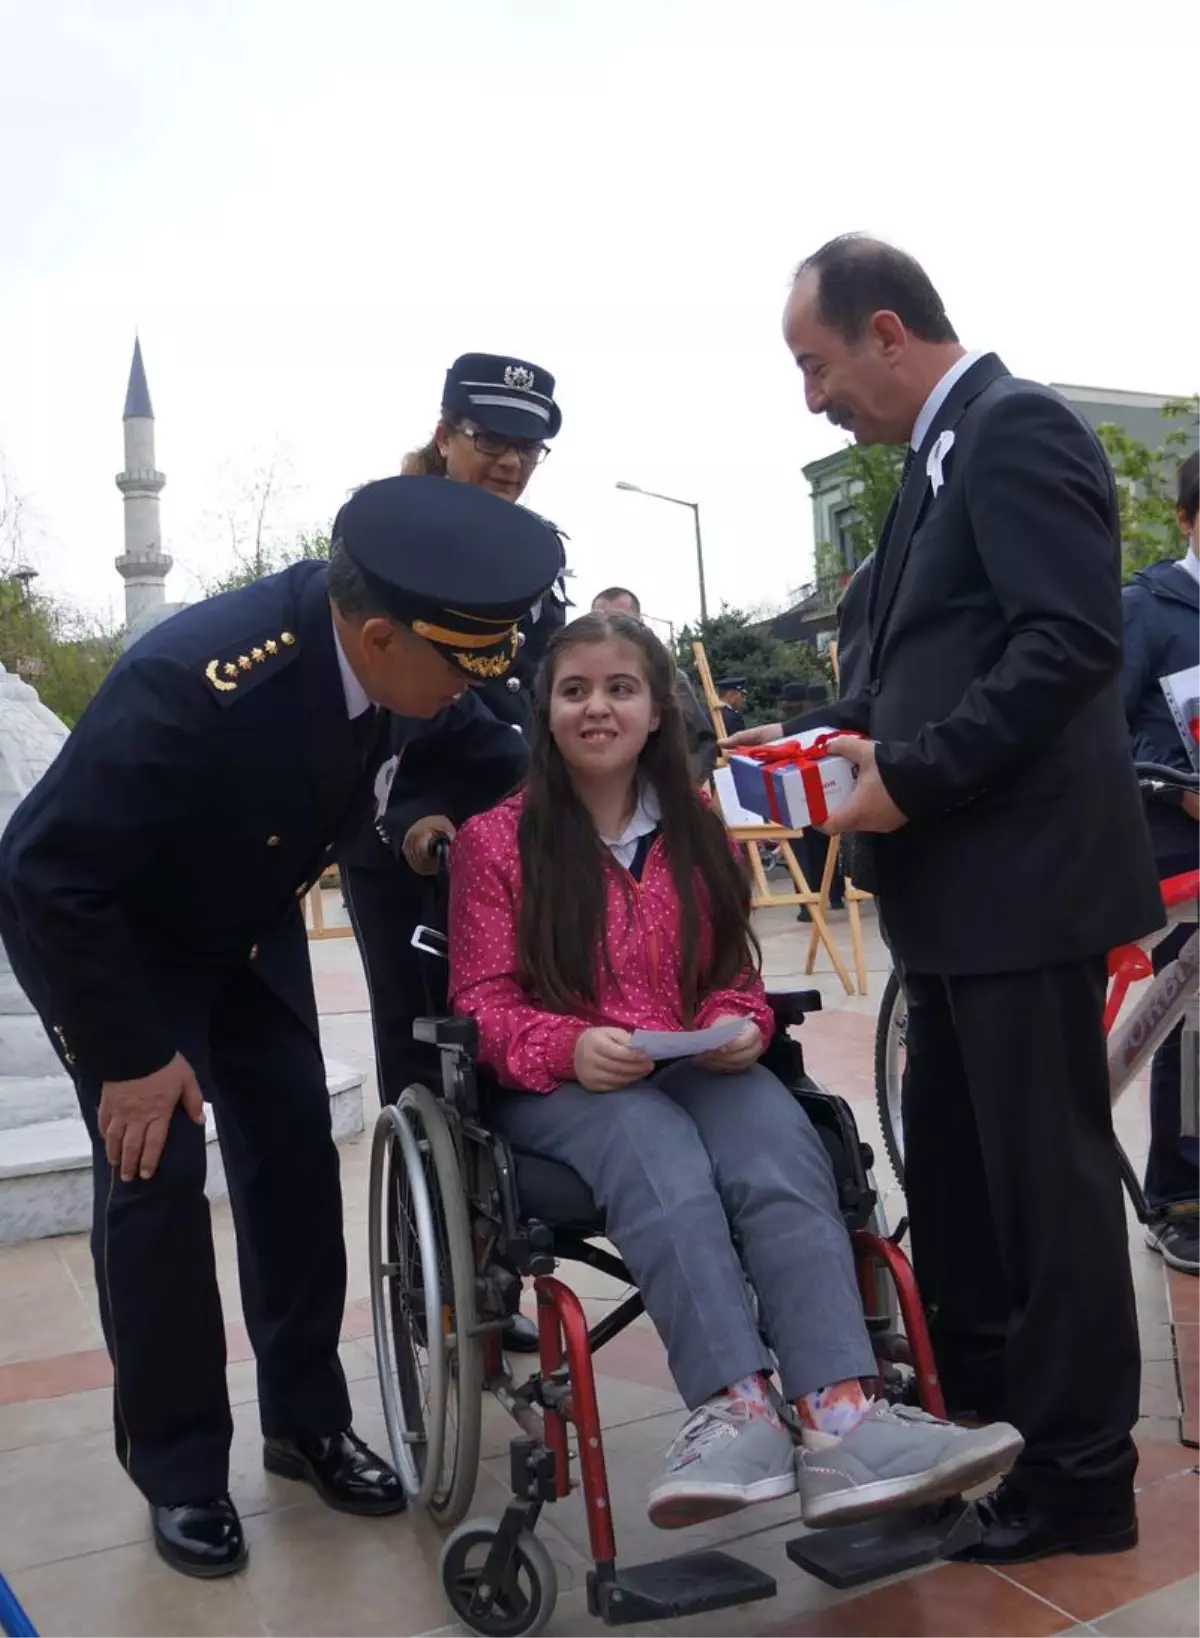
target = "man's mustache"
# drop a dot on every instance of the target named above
(838, 415)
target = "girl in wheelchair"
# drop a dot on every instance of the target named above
(605, 898)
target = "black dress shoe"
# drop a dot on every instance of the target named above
(342, 1471)
(200, 1538)
(520, 1335)
(1017, 1530)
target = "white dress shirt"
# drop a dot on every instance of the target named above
(1190, 564)
(646, 818)
(357, 700)
(939, 396)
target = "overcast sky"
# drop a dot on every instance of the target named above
(309, 209)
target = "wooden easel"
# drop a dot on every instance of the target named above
(314, 912)
(752, 837)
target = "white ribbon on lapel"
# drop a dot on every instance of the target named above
(933, 466)
(383, 784)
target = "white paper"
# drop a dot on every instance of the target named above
(664, 1043)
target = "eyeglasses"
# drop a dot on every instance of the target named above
(529, 451)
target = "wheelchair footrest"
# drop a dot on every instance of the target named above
(689, 1585)
(886, 1546)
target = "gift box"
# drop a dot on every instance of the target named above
(793, 782)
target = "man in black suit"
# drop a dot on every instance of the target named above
(150, 889)
(1011, 853)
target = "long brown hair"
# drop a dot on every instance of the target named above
(428, 461)
(565, 866)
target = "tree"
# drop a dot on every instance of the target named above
(872, 478)
(269, 559)
(64, 652)
(248, 512)
(1146, 484)
(737, 646)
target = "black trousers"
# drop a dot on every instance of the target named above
(386, 906)
(260, 1067)
(1018, 1222)
(1172, 1173)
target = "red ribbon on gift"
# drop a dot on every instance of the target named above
(804, 758)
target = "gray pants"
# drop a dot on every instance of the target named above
(682, 1163)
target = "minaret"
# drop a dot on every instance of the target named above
(144, 564)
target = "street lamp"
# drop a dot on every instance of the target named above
(694, 506)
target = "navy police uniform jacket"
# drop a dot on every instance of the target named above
(1160, 606)
(202, 793)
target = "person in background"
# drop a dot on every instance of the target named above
(497, 419)
(707, 1169)
(731, 691)
(997, 799)
(1161, 604)
(808, 699)
(703, 754)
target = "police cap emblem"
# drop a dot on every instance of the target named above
(516, 375)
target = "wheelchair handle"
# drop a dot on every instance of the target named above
(1155, 777)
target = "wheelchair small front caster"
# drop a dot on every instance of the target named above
(526, 1590)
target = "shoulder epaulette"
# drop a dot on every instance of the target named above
(232, 674)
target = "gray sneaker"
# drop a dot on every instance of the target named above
(721, 1461)
(897, 1457)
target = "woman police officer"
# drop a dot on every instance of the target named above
(498, 415)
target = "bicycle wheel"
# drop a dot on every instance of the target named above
(429, 1358)
(890, 1033)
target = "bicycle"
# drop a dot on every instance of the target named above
(1169, 1000)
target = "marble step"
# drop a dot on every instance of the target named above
(46, 1163)
(25, 1047)
(31, 1100)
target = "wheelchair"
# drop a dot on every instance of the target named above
(457, 1221)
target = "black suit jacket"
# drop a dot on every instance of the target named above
(992, 685)
(201, 794)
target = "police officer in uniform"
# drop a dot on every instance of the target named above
(497, 418)
(150, 890)
(732, 694)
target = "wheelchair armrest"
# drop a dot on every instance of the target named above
(448, 1034)
(790, 1006)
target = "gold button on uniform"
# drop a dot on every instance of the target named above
(274, 841)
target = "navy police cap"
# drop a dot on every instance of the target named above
(728, 685)
(501, 394)
(456, 564)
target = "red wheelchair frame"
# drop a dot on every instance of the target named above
(562, 1394)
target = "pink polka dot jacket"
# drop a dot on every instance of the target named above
(523, 1044)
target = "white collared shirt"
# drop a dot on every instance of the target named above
(1190, 564)
(646, 818)
(357, 699)
(939, 396)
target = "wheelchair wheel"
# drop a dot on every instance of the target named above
(890, 1033)
(429, 1358)
(524, 1601)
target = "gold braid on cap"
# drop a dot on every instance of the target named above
(467, 639)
